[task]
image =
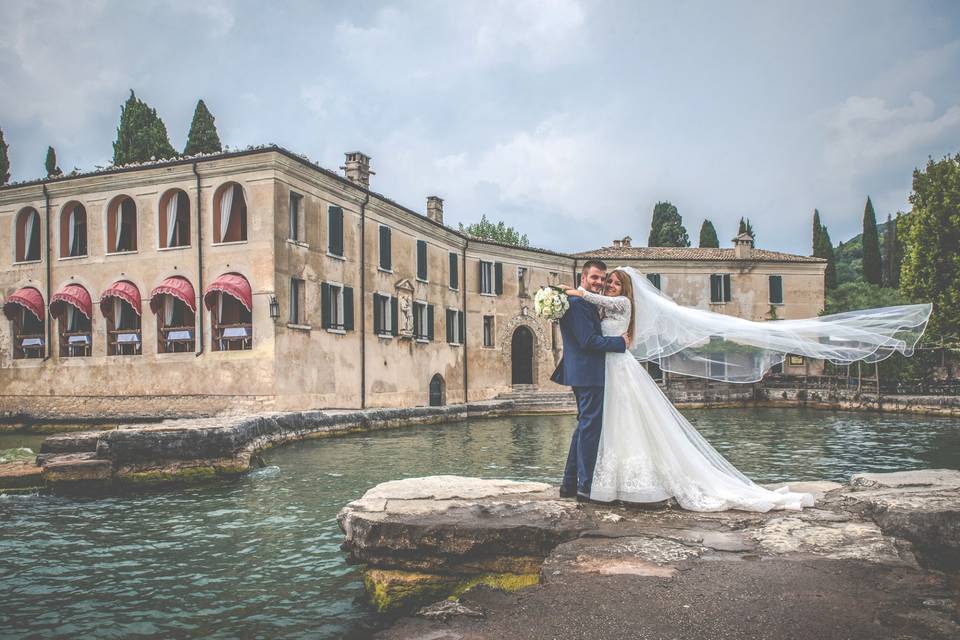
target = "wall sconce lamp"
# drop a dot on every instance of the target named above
(274, 308)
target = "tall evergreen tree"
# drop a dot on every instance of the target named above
(930, 236)
(823, 248)
(872, 263)
(817, 232)
(51, 163)
(203, 136)
(896, 261)
(141, 136)
(708, 236)
(666, 229)
(747, 228)
(4, 161)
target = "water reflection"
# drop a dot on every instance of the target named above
(260, 557)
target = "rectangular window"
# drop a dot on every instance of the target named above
(522, 273)
(422, 321)
(296, 204)
(422, 260)
(654, 279)
(488, 331)
(454, 271)
(336, 306)
(297, 291)
(776, 289)
(386, 258)
(491, 277)
(384, 315)
(719, 288)
(335, 231)
(455, 326)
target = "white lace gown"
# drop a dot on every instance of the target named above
(649, 452)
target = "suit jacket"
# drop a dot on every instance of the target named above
(584, 346)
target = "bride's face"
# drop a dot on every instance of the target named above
(613, 286)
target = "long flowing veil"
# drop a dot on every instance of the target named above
(711, 345)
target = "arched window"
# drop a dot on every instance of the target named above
(73, 230)
(229, 214)
(28, 235)
(24, 309)
(120, 306)
(122, 225)
(175, 305)
(72, 308)
(230, 302)
(174, 219)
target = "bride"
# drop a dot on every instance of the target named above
(648, 451)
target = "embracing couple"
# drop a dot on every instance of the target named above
(630, 443)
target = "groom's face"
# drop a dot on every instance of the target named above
(592, 279)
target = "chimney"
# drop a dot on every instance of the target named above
(435, 209)
(626, 241)
(743, 247)
(616, 244)
(357, 168)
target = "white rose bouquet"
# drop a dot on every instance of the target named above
(550, 303)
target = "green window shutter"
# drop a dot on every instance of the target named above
(348, 308)
(776, 289)
(335, 231)
(454, 276)
(325, 305)
(498, 278)
(480, 276)
(377, 315)
(422, 259)
(461, 320)
(416, 320)
(430, 322)
(393, 315)
(385, 253)
(726, 287)
(450, 320)
(654, 279)
(715, 284)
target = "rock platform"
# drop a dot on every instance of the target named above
(875, 558)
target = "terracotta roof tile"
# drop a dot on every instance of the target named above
(691, 253)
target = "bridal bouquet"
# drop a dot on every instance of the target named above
(550, 303)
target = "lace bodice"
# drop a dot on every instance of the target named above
(616, 312)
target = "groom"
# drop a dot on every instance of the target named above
(582, 367)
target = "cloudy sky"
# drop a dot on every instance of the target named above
(566, 119)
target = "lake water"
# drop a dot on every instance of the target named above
(260, 557)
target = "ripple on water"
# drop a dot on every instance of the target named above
(261, 556)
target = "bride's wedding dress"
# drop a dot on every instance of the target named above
(648, 452)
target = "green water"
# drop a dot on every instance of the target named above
(260, 557)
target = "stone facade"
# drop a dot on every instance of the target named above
(322, 355)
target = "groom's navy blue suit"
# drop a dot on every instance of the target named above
(582, 367)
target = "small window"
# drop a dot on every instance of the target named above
(384, 315)
(719, 288)
(229, 214)
(776, 289)
(718, 365)
(335, 231)
(386, 258)
(654, 279)
(297, 301)
(454, 271)
(73, 231)
(175, 219)
(491, 277)
(422, 321)
(523, 275)
(488, 331)
(296, 217)
(336, 306)
(455, 326)
(28, 235)
(422, 260)
(122, 225)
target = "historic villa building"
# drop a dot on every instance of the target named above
(259, 280)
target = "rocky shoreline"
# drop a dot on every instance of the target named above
(877, 557)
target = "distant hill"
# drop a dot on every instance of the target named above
(849, 256)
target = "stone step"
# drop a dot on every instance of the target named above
(20, 474)
(76, 442)
(77, 469)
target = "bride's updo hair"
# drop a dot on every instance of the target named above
(626, 290)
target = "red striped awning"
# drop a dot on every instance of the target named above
(232, 284)
(126, 291)
(27, 298)
(74, 295)
(178, 288)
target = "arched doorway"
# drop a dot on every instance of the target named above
(437, 391)
(521, 356)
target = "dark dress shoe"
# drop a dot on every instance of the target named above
(583, 497)
(567, 493)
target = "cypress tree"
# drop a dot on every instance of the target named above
(4, 161)
(747, 228)
(708, 236)
(666, 229)
(872, 267)
(896, 260)
(823, 248)
(817, 232)
(51, 163)
(141, 136)
(203, 136)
